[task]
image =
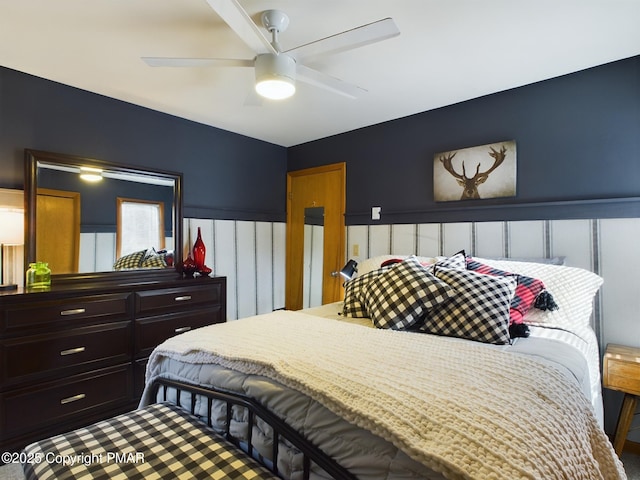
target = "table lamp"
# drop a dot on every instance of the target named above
(11, 233)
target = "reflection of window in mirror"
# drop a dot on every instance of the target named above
(139, 225)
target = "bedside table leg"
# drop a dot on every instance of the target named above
(624, 422)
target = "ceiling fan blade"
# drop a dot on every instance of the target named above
(240, 22)
(354, 38)
(196, 62)
(327, 82)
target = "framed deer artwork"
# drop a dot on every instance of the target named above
(486, 171)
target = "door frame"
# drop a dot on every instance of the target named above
(334, 250)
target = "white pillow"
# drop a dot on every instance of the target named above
(572, 288)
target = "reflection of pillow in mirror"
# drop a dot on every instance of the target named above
(154, 261)
(132, 260)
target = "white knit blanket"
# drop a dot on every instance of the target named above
(464, 409)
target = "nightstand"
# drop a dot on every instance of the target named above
(622, 372)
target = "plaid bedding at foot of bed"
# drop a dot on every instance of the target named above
(160, 441)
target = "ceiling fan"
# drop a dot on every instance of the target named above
(276, 71)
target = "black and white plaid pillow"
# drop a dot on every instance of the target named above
(132, 260)
(455, 262)
(478, 310)
(398, 297)
(354, 294)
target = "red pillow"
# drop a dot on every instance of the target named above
(527, 290)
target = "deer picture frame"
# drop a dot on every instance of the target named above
(485, 171)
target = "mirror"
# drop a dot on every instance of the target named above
(72, 223)
(313, 256)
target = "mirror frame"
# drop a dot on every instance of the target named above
(32, 157)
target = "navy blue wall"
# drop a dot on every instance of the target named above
(577, 137)
(578, 152)
(98, 211)
(44, 115)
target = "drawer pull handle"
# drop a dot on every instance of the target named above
(183, 298)
(182, 329)
(72, 351)
(75, 398)
(74, 311)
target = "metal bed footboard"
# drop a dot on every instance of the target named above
(281, 430)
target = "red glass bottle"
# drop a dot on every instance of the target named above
(199, 251)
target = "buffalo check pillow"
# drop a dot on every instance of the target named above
(454, 262)
(477, 309)
(399, 297)
(354, 292)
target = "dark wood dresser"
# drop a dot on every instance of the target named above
(77, 353)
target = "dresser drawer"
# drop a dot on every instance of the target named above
(56, 402)
(81, 347)
(152, 331)
(71, 311)
(184, 297)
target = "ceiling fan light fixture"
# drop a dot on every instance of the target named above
(275, 76)
(90, 174)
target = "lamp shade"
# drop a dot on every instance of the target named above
(275, 76)
(11, 227)
(349, 270)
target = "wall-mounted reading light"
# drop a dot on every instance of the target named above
(91, 174)
(349, 270)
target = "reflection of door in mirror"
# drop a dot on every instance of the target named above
(312, 187)
(58, 229)
(313, 256)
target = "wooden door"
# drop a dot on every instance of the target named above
(315, 187)
(58, 230)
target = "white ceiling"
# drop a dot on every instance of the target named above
(448, 51)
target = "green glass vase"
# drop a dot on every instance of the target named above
(38, 276)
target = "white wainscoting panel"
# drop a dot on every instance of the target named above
(490, 241)
(87, 260)
(225, 254)
(605, 247)
(105, 251)
(428, 239)
(251, 255)
(456, 237)
(358, 242)
(278, 264)
(573, 239)
(526, 239)
(619, 266)
(97, 252)
(246, 268)
(403, 238)
(379, 239)
(264, 267)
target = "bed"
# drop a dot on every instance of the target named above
(444, 387)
